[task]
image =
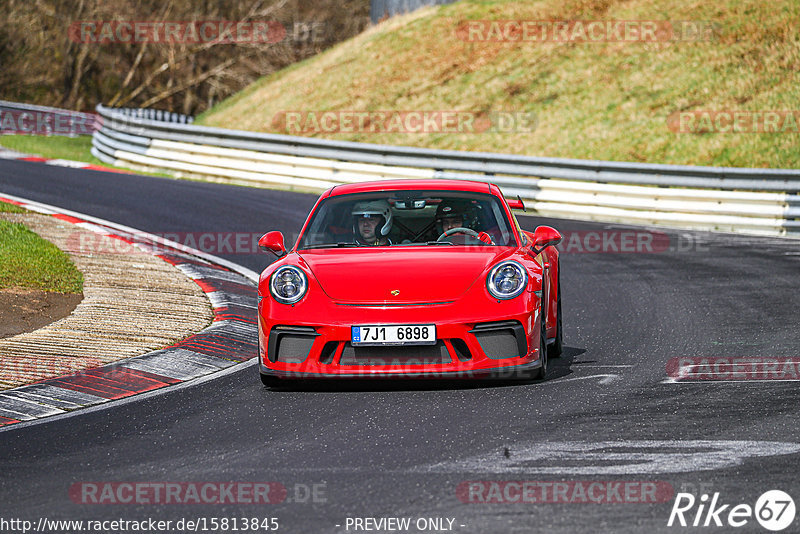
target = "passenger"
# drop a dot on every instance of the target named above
(372, 222)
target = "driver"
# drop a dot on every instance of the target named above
(455, 213)
(372, 222)
(452, 214)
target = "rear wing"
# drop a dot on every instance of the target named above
(516, 203)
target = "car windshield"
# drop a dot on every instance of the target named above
(408, 218)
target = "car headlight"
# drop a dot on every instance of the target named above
(507, 280)
(288, 284)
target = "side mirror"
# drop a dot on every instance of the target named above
(272, 242)
(543, 237)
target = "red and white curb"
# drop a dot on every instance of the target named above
(6, 153)
(231, 339)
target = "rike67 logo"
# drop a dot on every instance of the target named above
(774, 510)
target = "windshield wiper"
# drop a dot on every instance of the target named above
(440, 243)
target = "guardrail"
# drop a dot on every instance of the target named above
(759, 201)
(28, 119)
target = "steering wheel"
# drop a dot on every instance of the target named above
(461, 230)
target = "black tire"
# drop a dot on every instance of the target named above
(541, 372)
(268, 380)
(556, 349)
(271, 381)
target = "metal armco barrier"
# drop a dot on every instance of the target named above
(757, 201)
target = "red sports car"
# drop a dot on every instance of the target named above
(410, 278)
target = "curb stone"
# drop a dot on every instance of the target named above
(230, 339)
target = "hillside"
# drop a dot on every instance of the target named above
(595, 100)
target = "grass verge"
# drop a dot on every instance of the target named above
(5, 207)
(592, 100)
(59, 147)
(28, 261)
(52, 147)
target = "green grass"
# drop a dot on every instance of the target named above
(52, 147)
(59, 147)
(28, 261)
(5, 207)
(592, 100)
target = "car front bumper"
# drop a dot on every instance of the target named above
(500, 341)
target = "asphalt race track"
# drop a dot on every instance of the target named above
(607, 413)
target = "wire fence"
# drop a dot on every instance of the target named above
(380, 9)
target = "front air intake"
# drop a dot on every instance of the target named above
(502, 339)
(290, 344)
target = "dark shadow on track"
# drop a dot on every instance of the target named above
(562, 366)
(559, 367)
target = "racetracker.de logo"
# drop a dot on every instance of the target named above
(573, 492)
(587, 31)
(403, 121)
(176, 32)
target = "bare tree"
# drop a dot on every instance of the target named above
(43, 63)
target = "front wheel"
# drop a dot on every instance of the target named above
(557, 348)
(270, 381)
(542, 371)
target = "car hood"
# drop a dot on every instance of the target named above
(416, 275)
